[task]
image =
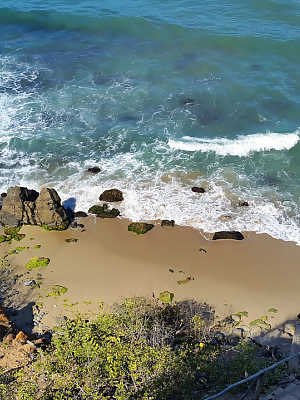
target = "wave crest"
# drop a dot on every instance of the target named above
(241, 146)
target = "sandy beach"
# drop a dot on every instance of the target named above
(108, 263)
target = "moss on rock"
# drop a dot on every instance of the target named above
(37, 262)
(57, 291)
(140, 227)
(104, 211)
(4, 238)
(71, 240)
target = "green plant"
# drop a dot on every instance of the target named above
(37, 262)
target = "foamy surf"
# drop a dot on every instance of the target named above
(242, 146)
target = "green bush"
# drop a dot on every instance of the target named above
(142, 349)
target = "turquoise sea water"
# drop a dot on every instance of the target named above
(162, 95)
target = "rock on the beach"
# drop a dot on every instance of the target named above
(140, 227)
(94, 170)
(167, 222)
(243, 204)
(197, 189)
(24, 206)
(104, 211)
(80, 214)
(112, 196)
(49, 211)
(228, 235)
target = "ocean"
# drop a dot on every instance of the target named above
(162, 96)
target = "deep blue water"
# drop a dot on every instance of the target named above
(162, 96)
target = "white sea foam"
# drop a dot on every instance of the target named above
(241, 146)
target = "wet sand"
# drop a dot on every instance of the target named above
(109, 263)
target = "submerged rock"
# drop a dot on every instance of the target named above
(140, 227)
(112, 196)
(94, 170)
(167, 222)
(228, 235)
(104, 211)
(243, 204)
(197, 189)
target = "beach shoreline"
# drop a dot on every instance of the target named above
(108, 264)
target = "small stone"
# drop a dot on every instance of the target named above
(31, 283)
(21, 337)
(202, 250)
(94, 170)
(167, 222)
(196, 189)
(140, 228)
(228, 235)
(80, 214)
(243, 204)
(71, 240)
(3, 195)
(112, 196)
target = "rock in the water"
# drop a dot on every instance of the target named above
(111, 195)
(243, 204)
(197, 189)
(104, 211)
(24, 206)
(3, 195)
(167, 222)
(94, 170)
(228, 235)
(80, 214)
(140, 227)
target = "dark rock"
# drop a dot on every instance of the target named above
(3, 195)
(140, 227)
(166, 222)
(94, 170)
(31, 282)
(198, 189)
(104, 212)
(228, 235)
(111, 195)
(80, 214)
(243, 204)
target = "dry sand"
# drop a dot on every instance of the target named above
(109, 263)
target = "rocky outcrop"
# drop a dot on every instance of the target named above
(228, 235)
(140, 227)
(112, 196)
(24, 206)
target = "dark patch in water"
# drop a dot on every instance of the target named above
(101, 79)
(128, 118)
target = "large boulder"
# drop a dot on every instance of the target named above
(228, 235)
(104, 211)
(140, 228)
(24, 206)
(49, 211)
(13, 209)
(111, 195)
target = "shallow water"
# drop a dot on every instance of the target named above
(162, 96)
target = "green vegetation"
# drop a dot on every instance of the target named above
(140, 350)
(166, 297)
(37, 246)
(57, 291)
(11, 233)
(104, 211)
(37, 262)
